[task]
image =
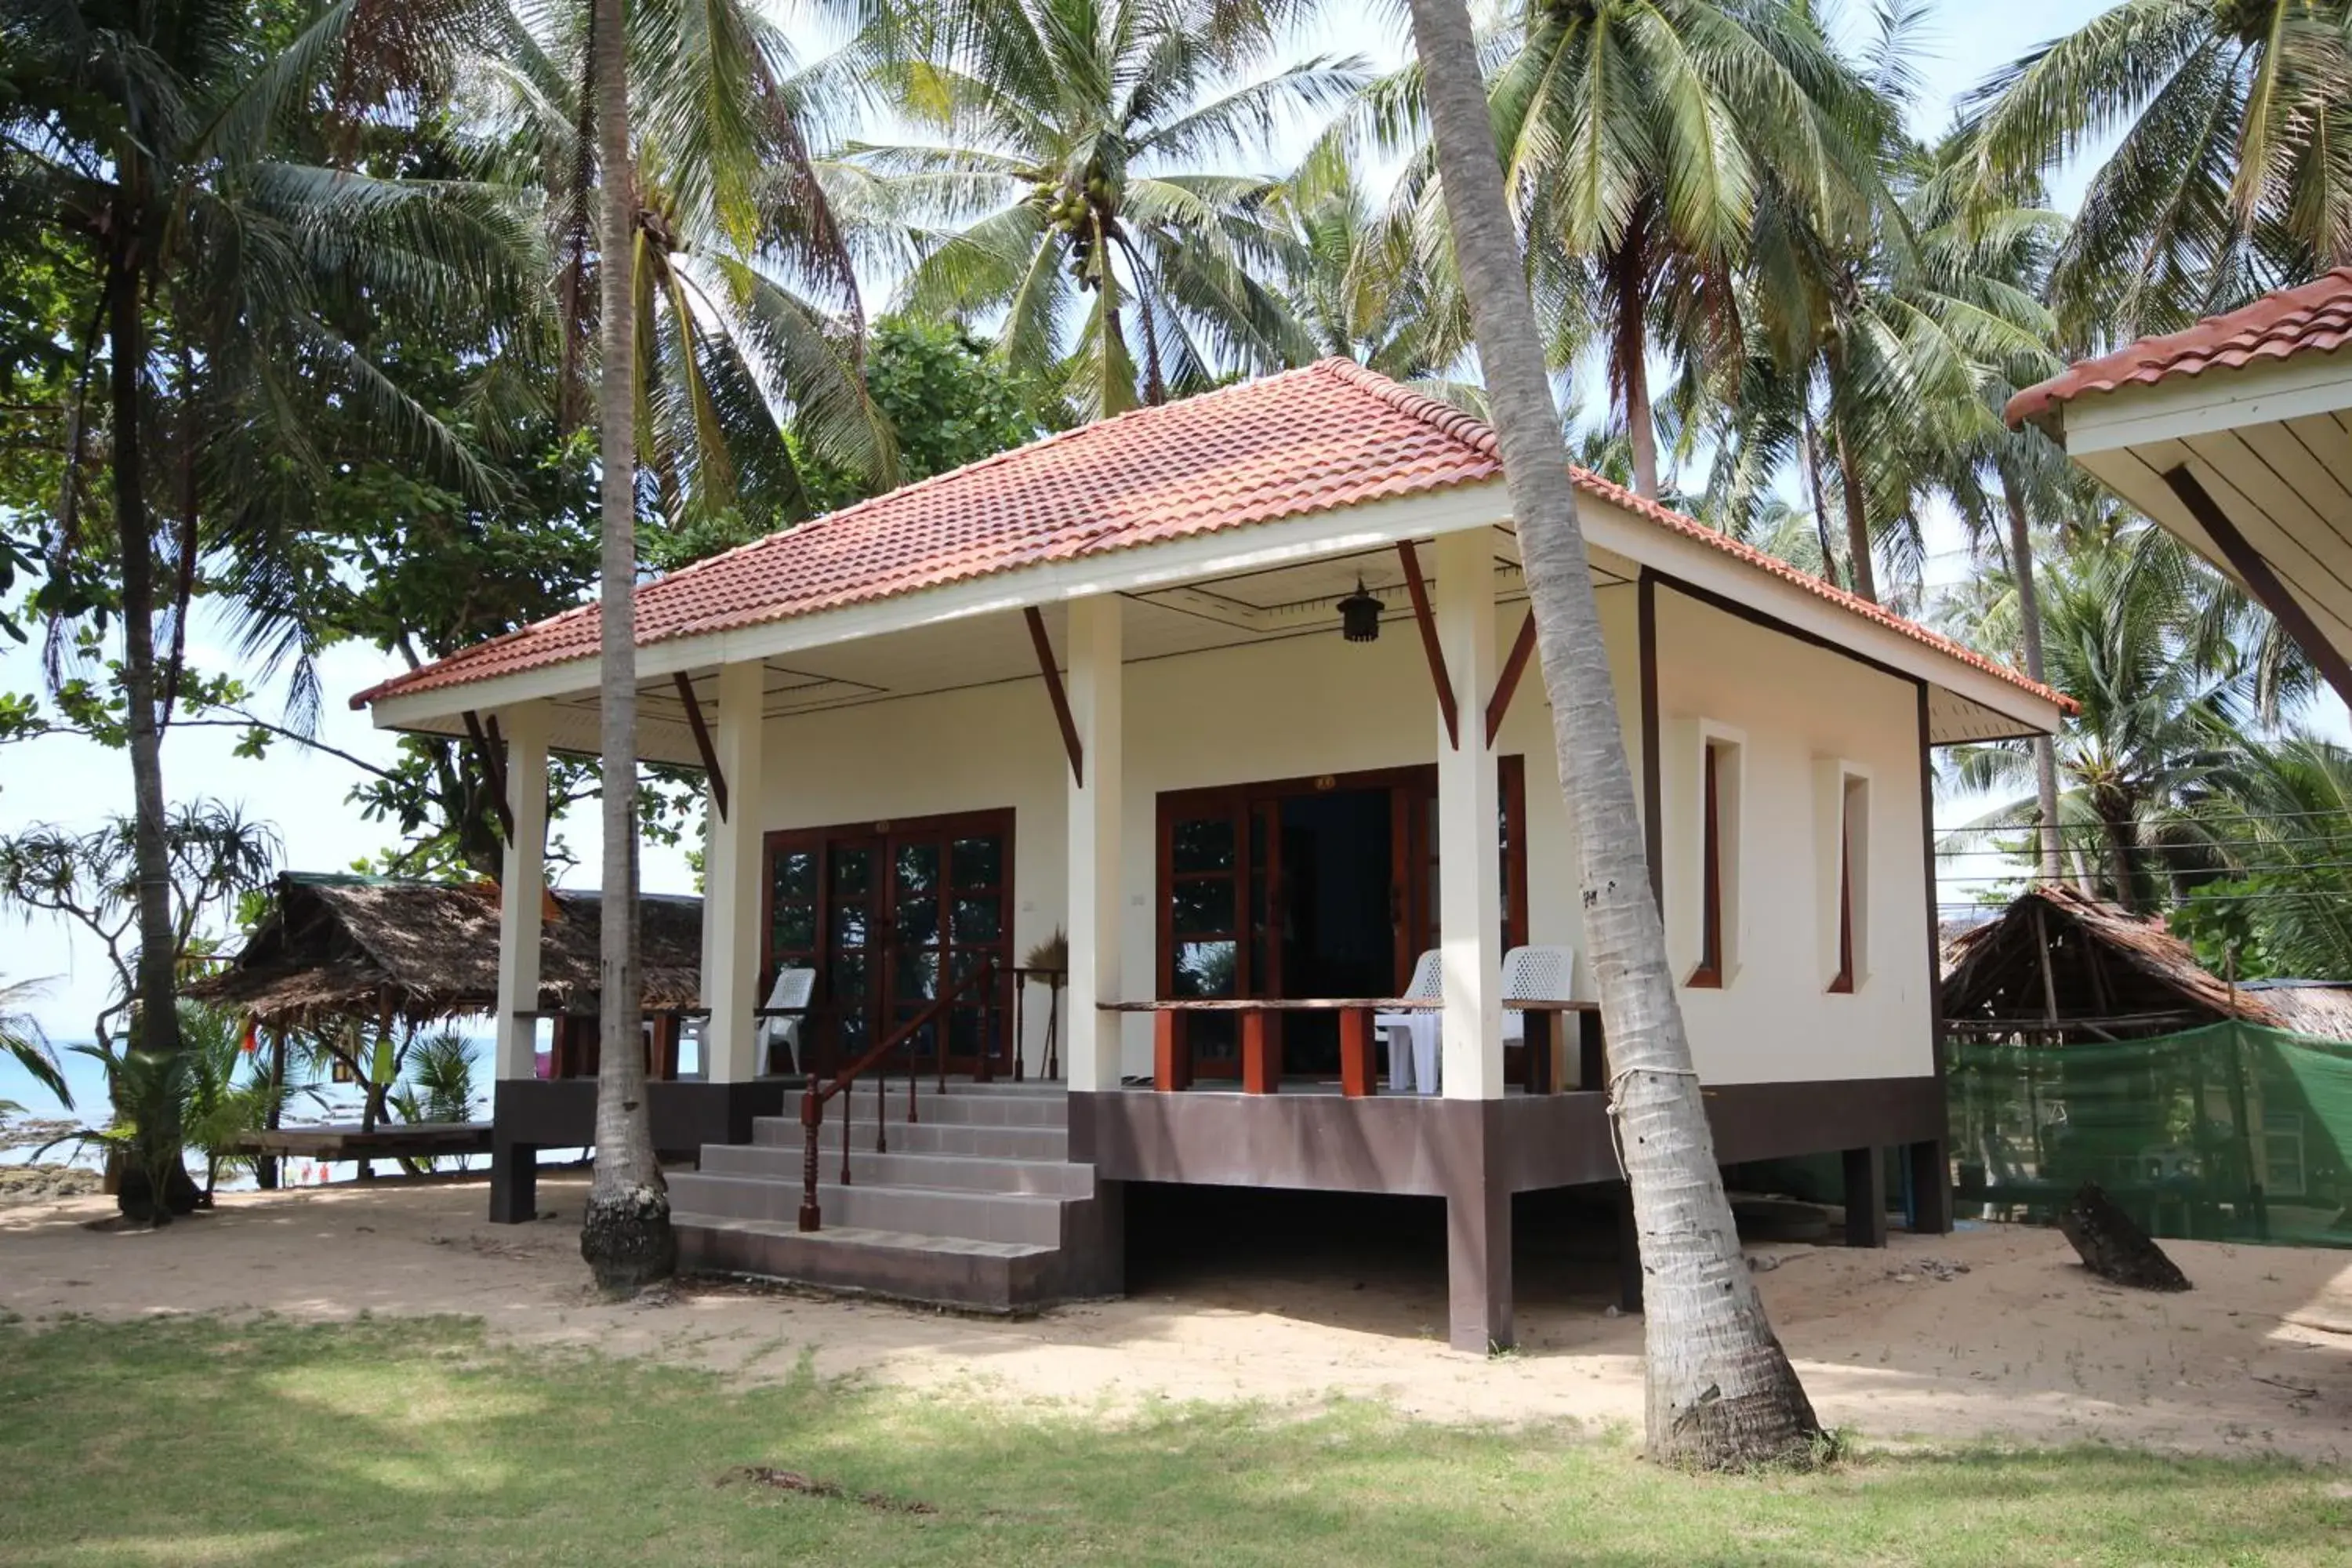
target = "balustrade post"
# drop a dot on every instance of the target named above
(811, 1123)
(1261, 1058)
(1358, 1069)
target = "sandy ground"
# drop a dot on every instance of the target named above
(1897, 1344)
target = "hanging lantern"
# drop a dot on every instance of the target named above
(1360, 616)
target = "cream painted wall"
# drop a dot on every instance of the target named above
(1795, 706)
(1316, 704)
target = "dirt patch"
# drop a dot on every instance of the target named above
(809, 1486)
(1991, 1332)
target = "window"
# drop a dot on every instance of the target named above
(1711, 872)
(1843, 792)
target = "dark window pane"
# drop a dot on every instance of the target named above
(918, 922)
(1204, 843)
(849, 978)
(853, 872)
(1202, 904)
(1205, 968)
(849, 925)
(1213, 1037)
(918, 869)
(919, 976)
(979, 920)
(796, 874)
(964, 1031)
(795, 928)
(965, 962)
(977, 862)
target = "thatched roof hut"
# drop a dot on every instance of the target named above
(2059, 964)
(338, 947)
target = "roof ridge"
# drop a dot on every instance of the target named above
(1435, 412)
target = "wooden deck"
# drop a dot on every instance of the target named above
(348, 1141)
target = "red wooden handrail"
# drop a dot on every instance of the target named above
(814, 1098)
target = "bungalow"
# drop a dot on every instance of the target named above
(1215, 688)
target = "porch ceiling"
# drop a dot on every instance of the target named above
(1260, 605)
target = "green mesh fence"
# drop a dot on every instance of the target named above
(2226, 1133)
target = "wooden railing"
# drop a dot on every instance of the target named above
(813, 1099)
(1261, 1051)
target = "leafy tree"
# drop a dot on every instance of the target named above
(1721, 1390)
(949, 398)
(22, 1041)
(177, 152)
(2228, 177)
(214, 857)
(1070, 171)
(2282, 815)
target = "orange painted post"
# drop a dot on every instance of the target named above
(1172, 1059)
(1359, 1074)
(1261, 1057)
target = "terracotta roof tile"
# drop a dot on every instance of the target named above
(1332, 435)
(2311, 318)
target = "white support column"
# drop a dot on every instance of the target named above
(523, 889)
(1469, 872)
(1095, 691)
(730, 879)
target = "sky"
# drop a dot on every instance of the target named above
(77, 786)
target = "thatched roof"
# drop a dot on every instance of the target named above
(336, 947)
(2321, 1007)
(2107, 966)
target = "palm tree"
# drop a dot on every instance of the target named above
(1072, 134)
(2163, 698)
(2229, 176)
(22, 1042)
(2284, 814)
(625, 1230)
(1358, 287)
(1639, 136)
(745, 306)
(1721, 1391)
(182, 155)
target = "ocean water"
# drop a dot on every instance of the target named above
(323, 1102)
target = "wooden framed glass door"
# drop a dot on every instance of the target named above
(1229, 905)
(883, 911)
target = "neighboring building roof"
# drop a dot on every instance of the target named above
(1993, 974)
(2311, 318)
(2321, 1007)
(1331, 435)
(341, 946)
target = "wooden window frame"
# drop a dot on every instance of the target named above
(996, 820)
(1708, 972)
(1850, 974)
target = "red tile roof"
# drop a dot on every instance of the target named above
(2312, 318)
(1312, 440)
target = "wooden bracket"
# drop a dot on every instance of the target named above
(1419, 593)
(1061, 698)
(494, 764)
(2261, 580)
(702, 741)
(1508, 685)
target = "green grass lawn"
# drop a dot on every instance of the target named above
(190, 1441)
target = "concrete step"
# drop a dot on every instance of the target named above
(925, 1136)
(977, 1276)
(967, 1105)
(904, 1168)
(923, 1211)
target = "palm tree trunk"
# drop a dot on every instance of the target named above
(1632, 353)
(2029, 616)
(1721, 1391)
(1820, 501)
(1857, 513)
(626, 1233)
(159, 1021)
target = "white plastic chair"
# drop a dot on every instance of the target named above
(1534, 974)
(793, 988)
(1537, 974)
(1413, 1037)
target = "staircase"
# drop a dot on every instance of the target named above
(975, 1206)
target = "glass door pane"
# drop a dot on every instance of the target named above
(916, 937)
(853, 943)
(978, 931)
(1206, 924)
